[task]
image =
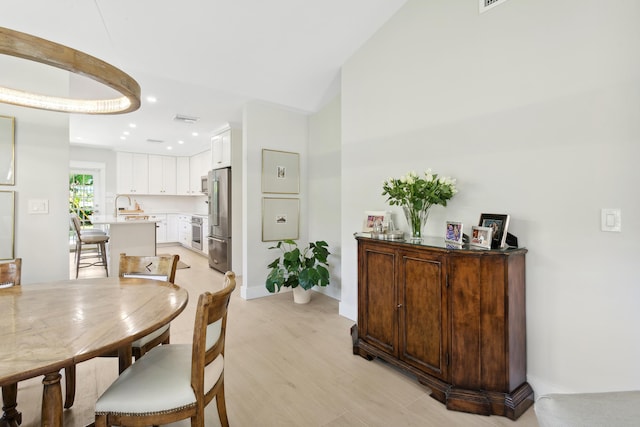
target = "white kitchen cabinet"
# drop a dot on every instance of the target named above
(199, 166)
(132, 173)
(221, 150)
(184, 230)
(161, 227)
(205, 162)
(183, 176)
(162, 175)
(172, 227)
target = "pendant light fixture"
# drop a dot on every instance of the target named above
(15, 43)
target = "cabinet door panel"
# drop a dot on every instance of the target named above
(379, 323)
(422, 314)
(464, 281)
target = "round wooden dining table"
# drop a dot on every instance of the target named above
(46, 327)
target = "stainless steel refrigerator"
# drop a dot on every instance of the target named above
(219, 232)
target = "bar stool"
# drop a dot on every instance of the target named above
(96, 254)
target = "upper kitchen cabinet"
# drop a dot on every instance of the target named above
(199, 166)
(162, 175)
(225, 147)
(183, 176)
(221, 150)
(133, 173)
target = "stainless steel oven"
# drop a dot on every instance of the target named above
(196, 232)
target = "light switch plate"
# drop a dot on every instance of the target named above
(611, 220)
(38, 206)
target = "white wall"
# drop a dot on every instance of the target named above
(41, 173)
(534, 108)
(324, 188)
(267, 126)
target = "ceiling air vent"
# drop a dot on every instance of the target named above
(488, 4)
(185, 119)
(155, 141)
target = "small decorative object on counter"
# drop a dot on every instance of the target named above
(416, 195)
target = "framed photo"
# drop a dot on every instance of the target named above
(499, 223)
(370, 218)
(280, 172)
(280, 219)
(7, 224)
(7, 150)
(481, 236)
(453, 232)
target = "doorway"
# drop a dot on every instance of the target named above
(86, 192)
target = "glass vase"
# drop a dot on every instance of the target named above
(417, 219)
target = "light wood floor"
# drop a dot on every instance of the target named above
(286, 365)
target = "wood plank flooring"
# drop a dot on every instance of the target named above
(286, 365)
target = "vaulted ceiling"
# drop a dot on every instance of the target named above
(202, 59)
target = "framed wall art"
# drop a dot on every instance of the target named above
(453, 232)
(7, 150)
(481, 236)
(7, 224)
(280, 172)
(499, 224)
(280, 219)
(370, 218)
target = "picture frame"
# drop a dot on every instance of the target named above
(481, 236)
(453, 232)
(500, 225)
(280, 219)
(280, 172)
(7, 150)
(370, 218)
(7, 225)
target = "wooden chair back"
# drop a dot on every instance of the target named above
(10, 273)
(209, 339)
(142, 266)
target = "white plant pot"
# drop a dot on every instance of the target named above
(301, 295)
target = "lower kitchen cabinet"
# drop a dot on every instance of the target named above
(161, 227)
(184, 230)
(172, 227)
(454, 318)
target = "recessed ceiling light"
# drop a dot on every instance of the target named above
(195, 134)
(169, 148)
(126, 132)
(151, 98)
(123, 138)
(180, 142)
(132, 125)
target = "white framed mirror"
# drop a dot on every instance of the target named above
(7, 150)
(7, 226)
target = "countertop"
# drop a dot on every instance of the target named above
(110, 220)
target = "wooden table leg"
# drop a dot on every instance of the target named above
(124, 358)
(11, 417)
(52, 400)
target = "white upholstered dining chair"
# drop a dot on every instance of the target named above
(176, 381)
(160, 267)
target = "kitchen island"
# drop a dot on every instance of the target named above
(133, 236)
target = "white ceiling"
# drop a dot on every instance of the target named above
(202, 58)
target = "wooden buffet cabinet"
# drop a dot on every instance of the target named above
(454, 318)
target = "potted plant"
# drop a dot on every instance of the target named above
(299, 270)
